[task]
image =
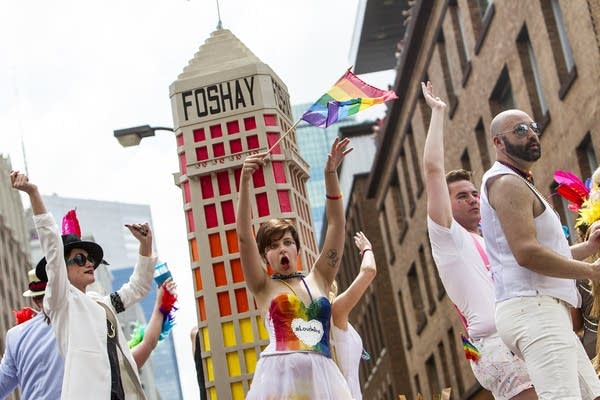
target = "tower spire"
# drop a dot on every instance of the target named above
(220, 23)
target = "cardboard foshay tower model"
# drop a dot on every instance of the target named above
(226, 105)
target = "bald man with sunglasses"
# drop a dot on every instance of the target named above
(534, 268)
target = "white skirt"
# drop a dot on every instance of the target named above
(298, 376)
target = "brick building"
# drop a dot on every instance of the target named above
(483, 57)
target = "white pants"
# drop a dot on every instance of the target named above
(539, 330)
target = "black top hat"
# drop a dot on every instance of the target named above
(71, 242)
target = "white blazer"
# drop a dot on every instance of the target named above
(80, 322)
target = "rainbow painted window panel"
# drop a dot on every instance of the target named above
(214, 241)
(206, 338)
(253, 142)
(249, 123)
(258, 178)
(210, 213)
(284, 201)
(182, 163)
(199, 135)
(237, 274)
(210, 372)
(218, 149)
(237, 391)
(272, 138)
(262, 204)
(233, 364)
(219, 274)
(201, 153)
(224, 304)
(228, 332)
(228, 212)
(201, 308)
(233, 127)
(262, 331)
(212, 391)
(250, 359)
(197, 278)
(223, 182)
(246, 330)
(215, 131)
(206, 186)
(235, 146)
(241, 300)
(278, 171)
(190, 219)
(270, 119)
(194, 250)
(232, 241)
(179, 139)
(187, 197)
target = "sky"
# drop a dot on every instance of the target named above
(73, 71)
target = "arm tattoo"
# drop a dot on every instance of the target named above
(332, 258)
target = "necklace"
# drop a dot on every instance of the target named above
(286, 277)
(528, 176)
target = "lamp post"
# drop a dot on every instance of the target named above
(133, 136)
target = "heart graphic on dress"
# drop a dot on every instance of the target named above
(309, 332)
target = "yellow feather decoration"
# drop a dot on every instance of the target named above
(588, 213)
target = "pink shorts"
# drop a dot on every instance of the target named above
(498, 370)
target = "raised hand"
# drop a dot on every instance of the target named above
(21, 182)
(361, 242)
(336, 154)
(252, 163)
(430, 98)
(143, 234)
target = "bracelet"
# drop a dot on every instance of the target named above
(338, 197)
(362, 253)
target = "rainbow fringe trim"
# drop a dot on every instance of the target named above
(471, 352)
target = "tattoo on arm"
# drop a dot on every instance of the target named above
(332, 258)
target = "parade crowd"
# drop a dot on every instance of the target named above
(528, 300)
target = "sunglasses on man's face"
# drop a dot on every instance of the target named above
(522, 129)
(81, 259)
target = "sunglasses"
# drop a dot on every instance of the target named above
(522, 129)
(81, 259)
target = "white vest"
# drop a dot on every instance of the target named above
(510, 278)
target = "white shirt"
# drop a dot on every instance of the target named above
(510, 278)
(465, 276)
(348, 351)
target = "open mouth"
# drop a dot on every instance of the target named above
(285, 261)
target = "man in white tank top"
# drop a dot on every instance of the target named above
(458, 250)
(533, 267)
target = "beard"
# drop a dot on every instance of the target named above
(524, 152)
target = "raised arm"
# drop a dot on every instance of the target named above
(345, 302)
(254, 273)
(328, 262)
(140, 281)
(142, 351)
(439, 207)
(51, 242)
(514, 203)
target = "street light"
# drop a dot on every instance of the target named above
(133, 136)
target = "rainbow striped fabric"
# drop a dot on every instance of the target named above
(471, 352)
(348, 96)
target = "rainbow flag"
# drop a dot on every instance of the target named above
(471, 352)
(348, 96)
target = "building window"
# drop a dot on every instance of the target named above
(399, 206)
(407, 182)
(561, 47)
(460, 38)
(567, 217)
(432, 376)
(465, 160)
(502, 96)
(482, 144)
(417, 298)
(452, 100)
(440, 286)
(533, 80)
(481, 12)
(417, 384)
(387, 236)
(586, 157)
(427, 278)
(444, 362)
(414, 155)
(455, 362)
(407, 339)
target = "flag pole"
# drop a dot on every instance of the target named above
(284, 135)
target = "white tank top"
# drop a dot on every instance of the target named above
(510, 278)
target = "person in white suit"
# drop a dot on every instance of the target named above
(98, 363)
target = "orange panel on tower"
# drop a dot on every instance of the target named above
(215, 245)
(232, 241)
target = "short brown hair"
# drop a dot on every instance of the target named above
(458, 175)
(273, 230)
